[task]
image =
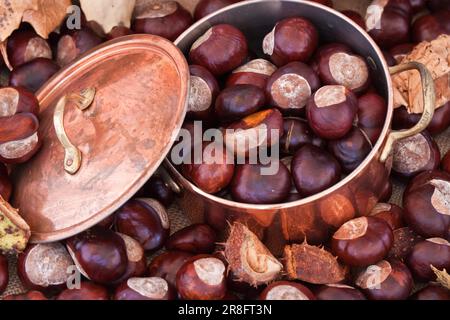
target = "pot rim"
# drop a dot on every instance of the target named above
(376, 150)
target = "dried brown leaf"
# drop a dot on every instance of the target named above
(442, 277)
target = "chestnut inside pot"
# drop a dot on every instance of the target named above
(357, 193)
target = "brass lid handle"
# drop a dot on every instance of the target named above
(82, 99)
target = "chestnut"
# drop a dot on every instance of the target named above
(331, 111)
(74, 44)
(146, 221)
(203, 92)
(387, 192)
(338, 66)
(251, 185)
(388, 22)
(33, 74)
(430, 26)
(445, 164)
(326, 50)
(356, 17)
(99, 254)
(213, 171)
(167, 264)
(239, 101)
(202, 277)
(338, 292)
(262, 129)
(25, 45)
(297, 133)
(292, 39)
(415, 154)
(255, 72)
(87, 291)
(430, 252)
(432, 292)
(196, 238)
(286, 290)
(437, 5)
(314, 170)
(117, 32)
(290, 87)
(44, 266)
(362, 241)
(167, 19)
(390, 213)
(30, 295)
(108, 222)
(156, 188)
(5, 183)
(426, 206)
(221, 49)
(137, 261)
(418, 5)
(402, 119)
(19, 137)
(4, 273)
(17, 100)
(404, 241)
(387, 280)
(152, 288)
(371, 117)
(351, 150)
(399, 52)
(390, 60)
(206, 7)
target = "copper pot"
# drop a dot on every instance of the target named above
(315, 217)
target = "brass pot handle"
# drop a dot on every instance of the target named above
(83, 99)
(429, 100)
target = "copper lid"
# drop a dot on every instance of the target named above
(116, 110)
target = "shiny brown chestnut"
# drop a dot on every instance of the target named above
(146, 221)
(314, 170)
(362, 241)
(259, 130)
(432, 292)
(386, 280)
(356, 17)
(337, 66)
(118, 31)
(338, 292)
(4, 273)
(390, 60)
(251, 184)
(86, 291)
(441, 120)
(44, 266)
(202, 278)
(25, 45)
(255, 72)
(418, 5)
(99, 254)
(239, 101)
(213, 171)
(197, 238)
(5, 183)
(415, 154)
(221, 49)
(297, 133)
(290, 87)
(203, 92)
(445, 164)
(286, 290)
(404, 241)
(156, 188)
(167, 264)
(151, 288)
(399, 52)
(371, 117)
(386, 194)
(326, 49)
(292, 39)
(390, 213)
(206, 7)
(426, 206)
(430, 26)
(167, 19)
(430, 252)
(75, 43)
(17, 100)
(137, 261)
(436, 5)
(351, 150)
(33, 74)
(388, 22)
(30, 295)
(331, 111)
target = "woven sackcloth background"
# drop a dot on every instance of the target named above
(179, 220)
